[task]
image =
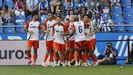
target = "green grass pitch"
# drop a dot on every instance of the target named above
(39, 70)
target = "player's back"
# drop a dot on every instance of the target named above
(79, 31)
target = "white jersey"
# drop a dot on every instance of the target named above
(92, 29)
(33, 26)
(58, 30)
(49, 24)
(70, 31)
(79, 31)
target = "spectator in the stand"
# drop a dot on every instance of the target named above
(76, 12)
(55, 4)
(91, 4)
(71, 12)
(19, 8)
(109, 56)
(67, 15)
(97, 20)
(113, 2)
(67, 4)
(31, 6)
(82, 13)
(104, 4)
(1, 21)
(5, 14)
(130, 56)
(43, 7)
(9, 3)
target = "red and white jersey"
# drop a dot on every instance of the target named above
(87, 31)
(78, 27)
(69, 26)
(92, 29)
(35, 27)
(48, 26)
(58, 30)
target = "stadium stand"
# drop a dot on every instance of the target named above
(120, 12)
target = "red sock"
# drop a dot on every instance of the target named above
(29, 55)
(46, 57)
(76, 55)
(94, 58)
(51, 57)
(34, 58)
(70, 56)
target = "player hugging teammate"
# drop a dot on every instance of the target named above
(67, 44)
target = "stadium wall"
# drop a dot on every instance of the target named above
(13, 47)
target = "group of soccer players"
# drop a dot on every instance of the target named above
(71, 43)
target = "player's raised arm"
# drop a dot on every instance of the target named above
(45, 27)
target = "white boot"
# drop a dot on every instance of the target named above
(69, 63)
(76, 63)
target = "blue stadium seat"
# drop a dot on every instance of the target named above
(20, 29)
(117, 19)
(119, 27)
(76, 5)
(9, 3)
(1, 29)
(116, 10)
(22, 20)
(9, 28)
(1, 5)
(128, 10)
(125, 3)
(128, 18)
(129, 28)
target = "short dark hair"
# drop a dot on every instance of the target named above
(6, 7)
(34, 13)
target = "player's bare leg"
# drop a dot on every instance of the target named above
(84, 58)
(63, 58)
(70, 57)
(35, 57)
(29, 55)
(76, 56)
(55, 57)
(51, 58)
(45, 58)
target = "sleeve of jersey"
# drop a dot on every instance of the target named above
(26, 25)
(45, 26)
(73, 28)
(66, 29)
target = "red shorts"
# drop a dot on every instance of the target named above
(59, 47)
(79, 44)
(70, 44)
(93, 43)
(49, 45)
(89, 45)
(34, 43)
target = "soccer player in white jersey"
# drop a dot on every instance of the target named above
(32, 27)
(79, 37)
(92, 40)
(49, 38)
(70, 41)
(59, 31)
